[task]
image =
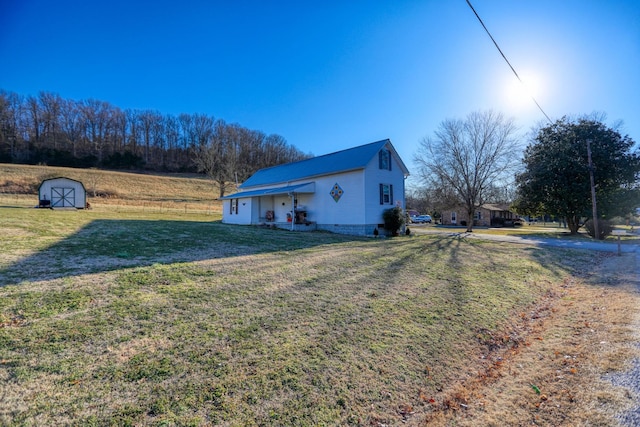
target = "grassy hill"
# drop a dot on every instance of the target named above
(20, 182)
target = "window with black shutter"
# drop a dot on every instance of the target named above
(386, 194)
(384, 160)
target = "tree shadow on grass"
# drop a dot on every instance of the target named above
(558, 260)
(106, 245)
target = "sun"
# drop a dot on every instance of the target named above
(520, 93)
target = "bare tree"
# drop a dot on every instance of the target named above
(172, 135)
(35, 116)
(96, 116)
(119, 130)
(133, 131)
(210, 153)
(469, 157)
(246, 154)
(71, 124)
(147, 120)
(432, 198)
(13, 126)
(50, 107)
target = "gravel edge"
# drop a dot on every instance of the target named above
(630, 379)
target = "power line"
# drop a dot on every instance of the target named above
(506, 60)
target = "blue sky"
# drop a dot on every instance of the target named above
(334, 74)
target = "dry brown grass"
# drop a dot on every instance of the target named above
(554, 375)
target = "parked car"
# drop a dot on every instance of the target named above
(421, 219)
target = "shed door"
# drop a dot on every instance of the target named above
(62, 197)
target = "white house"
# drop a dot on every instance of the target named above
(344, 192)
(62, 193)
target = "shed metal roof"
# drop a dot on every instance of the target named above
(340, 161)
(60, 177)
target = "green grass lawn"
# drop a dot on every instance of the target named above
(109, 318)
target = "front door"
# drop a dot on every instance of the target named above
(62, 197)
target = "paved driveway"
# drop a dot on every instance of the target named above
(531, 240)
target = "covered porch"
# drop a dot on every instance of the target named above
(283, 207)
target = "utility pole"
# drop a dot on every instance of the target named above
(596, 233)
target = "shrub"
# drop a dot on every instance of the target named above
(393, 220)
(497, 222)
(624, 220)
(604, 228)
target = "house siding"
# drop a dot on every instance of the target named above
(461, 216)
(348, 209)
(373, 177)
(486, 216)
(243, 214)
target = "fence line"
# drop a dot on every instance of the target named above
(165, 207)
(119, 205)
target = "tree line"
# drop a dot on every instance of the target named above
(48, 129)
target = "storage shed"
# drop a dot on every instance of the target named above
(62, 193)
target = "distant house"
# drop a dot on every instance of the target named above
(62, 193)
(488, 215)
(344, 192)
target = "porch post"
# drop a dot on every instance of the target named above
(293, 212)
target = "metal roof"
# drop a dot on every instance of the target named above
(341, 161)
(60, 177)
(308, 187)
